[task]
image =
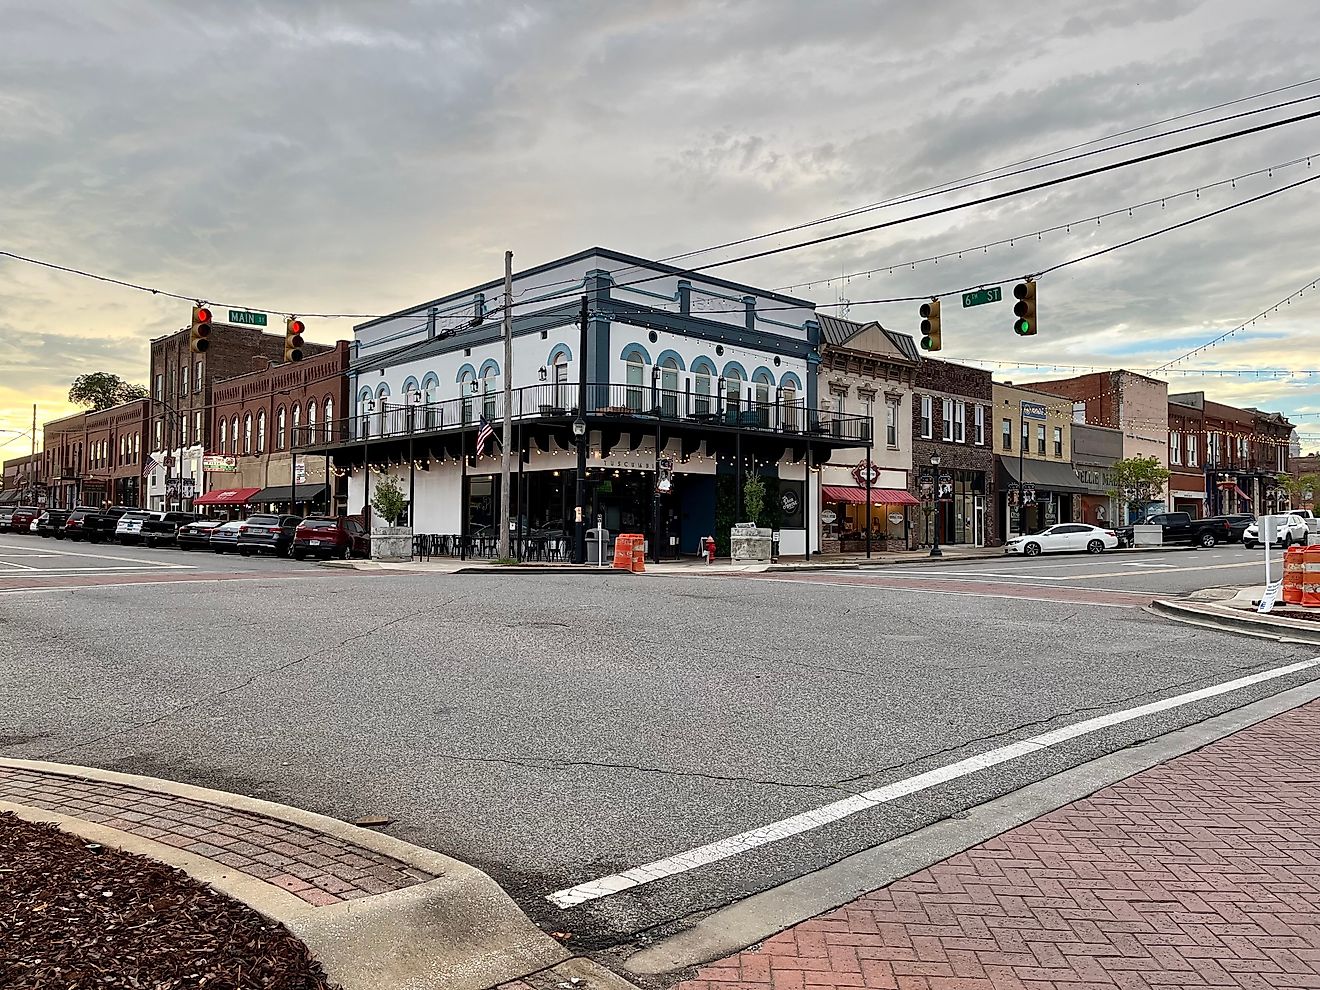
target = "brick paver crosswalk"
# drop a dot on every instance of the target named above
(1202, 872)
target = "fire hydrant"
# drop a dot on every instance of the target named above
(708, 548)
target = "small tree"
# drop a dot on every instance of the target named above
(101, 390)
(388, 500)
(1300, 488)
(1138, 479)
(754, 497)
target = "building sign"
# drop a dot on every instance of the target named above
(181, 488)
(1095, 478)
(864, 469)
(300, 473)
(1033, 410)
(219, 462)
(828, 517)
(791, 505)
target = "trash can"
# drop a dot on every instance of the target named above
(599, 549)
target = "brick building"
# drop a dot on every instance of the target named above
(252, 424)
(1238, 452)
(1186, 454)
(867, 369)
(1032, 440)
(94, 458)
(23, 480)
(182, 395)
(951, 415)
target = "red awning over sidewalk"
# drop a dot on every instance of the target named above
(856, 494)
(226, 496)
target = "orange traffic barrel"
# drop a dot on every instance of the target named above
(1292, 575)
(623, 551)
(639, 556)
(1311, 577)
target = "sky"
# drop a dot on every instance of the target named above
(359, 156)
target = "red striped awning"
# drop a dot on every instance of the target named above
(226, 496)
(857, 495)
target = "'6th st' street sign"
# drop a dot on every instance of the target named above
(982, 296)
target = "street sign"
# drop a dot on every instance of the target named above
(246, 318)
(1034, 410)
(982, 296)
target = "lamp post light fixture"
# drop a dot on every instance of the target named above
(935, 530)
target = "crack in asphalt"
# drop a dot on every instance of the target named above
(248, 681)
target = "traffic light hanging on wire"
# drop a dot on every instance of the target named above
(200, 332)
(930, 325)
(293, 339)
(1024, 310)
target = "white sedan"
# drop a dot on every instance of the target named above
(1064, 538)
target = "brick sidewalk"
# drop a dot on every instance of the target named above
(321, 869)
(1202, 872)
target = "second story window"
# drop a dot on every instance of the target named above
(1175, 448)
(960, 422)
(946, 419)
(926, 413)
(980, 426)
(1040, 440)
(1058, 441)
(1006, 440)
(891, 422)
(1191, 450)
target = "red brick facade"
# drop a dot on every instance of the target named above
(97, 457)
(952, 393)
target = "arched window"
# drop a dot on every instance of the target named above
(295, 420)
(669, 386)
(429, 386)
(634, 377)
(488, 375)
(761, 385)
(224, 436)
(137, 446)
(280, 436)
(261, 431)
(233, 435)
(329, 420)
(732, 391)
(465, 381)
(702, 372)
(788, 414)
(247, 433)
(563, 393)
(311, 419)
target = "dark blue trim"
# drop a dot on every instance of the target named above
(467, 371)
(630, 350)
(703, 363)
(487, 365)
(558, 349)
(598, 284)
(430, 379)
(763, 376)
(410, 384)
(735, 366)
(382, 390)
(707, 330)
(790, 378)
(665, 355)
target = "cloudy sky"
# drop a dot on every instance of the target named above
(362, 156)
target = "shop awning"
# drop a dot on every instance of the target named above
(1046, 476)
(311, 492)
(857, 494)
(9, 497)
(1241, 493)
(227, 496)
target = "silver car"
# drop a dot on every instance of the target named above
(129, 528)
(1288, 529)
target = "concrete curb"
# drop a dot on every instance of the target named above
(460, 931)
(747, 922)
(1238, 621)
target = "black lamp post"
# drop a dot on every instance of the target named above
(935, 550)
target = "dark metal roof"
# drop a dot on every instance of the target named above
(836, 331)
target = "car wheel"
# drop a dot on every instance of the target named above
(344, 552)
(1031, 550)
(1247, 544)
(300, 555)
(244, 552)
(1095, 546)
(185, 549)
(1208, 540)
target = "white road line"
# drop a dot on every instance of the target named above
(974, 574)
(21, 567)
(918, 590)
(1145, 564)
(117, 568)
(827, 814)
(96, 556)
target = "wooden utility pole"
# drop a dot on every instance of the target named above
(32, 461)
(505, 478)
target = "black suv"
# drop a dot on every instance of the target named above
(271, 533)
(162, 528)
(51, 523)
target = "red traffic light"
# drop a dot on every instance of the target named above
(296, 326)
(203, 315)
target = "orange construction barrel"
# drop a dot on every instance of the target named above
(1292, 575)
(1311, 577)
(639, 556)
(623, 551)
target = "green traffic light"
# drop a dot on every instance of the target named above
(926, 343)
(1022, 328)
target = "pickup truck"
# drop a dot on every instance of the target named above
(92, 524)
(1180, 527)
(162, 528)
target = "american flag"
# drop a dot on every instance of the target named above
(486, 432)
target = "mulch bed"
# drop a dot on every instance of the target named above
(75, 915)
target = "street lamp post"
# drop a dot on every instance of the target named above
(935, 550)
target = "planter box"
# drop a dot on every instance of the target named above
(750, 543)
(392, 543)
(1147, 536)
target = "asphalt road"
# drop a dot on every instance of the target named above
(556, 729)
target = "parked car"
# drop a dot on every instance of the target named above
(1289, 529)
(324, 536)
(23, 517)
(81, 524)
(162, 528)
(197, 535)
(6, 514)
(1180, 527)
(225, 537)
(51, 523)
(1064, 538)
(270, 533)
(128, 528)
(1237, 525)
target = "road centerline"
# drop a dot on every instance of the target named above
(815, 818)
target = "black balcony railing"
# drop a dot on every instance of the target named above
(612, 403)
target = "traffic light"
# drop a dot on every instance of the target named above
(930, 325)
(293, 339)
(200, 333)
(1024, 310)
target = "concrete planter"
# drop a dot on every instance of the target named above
(750, 543)
(1147, 536)
(392, 543)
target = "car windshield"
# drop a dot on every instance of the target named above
(319, 524)
(263, 520)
